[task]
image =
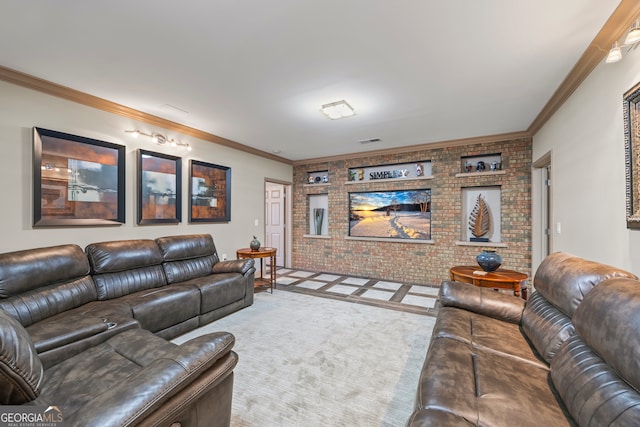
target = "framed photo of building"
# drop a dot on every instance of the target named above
(77, 181)
(210, 192)
(159, 188)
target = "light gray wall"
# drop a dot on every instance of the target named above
(586, 141)
(21, 109)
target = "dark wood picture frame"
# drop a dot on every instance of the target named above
(209, 192)
(631, 108)
(159, 179)
(77, 181)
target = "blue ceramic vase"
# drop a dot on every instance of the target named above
(489, 260)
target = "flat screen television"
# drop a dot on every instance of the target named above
(402, 214)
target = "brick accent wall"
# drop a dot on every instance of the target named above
(413, 262)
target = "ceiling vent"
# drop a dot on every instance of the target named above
(368, 141)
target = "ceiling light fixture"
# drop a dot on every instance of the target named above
(632, 38)
(615, 54)
(160, 139)
(338, 110)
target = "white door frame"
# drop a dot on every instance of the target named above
(287, 216)
(542, 229)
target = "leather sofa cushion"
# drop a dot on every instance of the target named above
(487, 334)
(38, 304)
(241, 266)
(218, 290)
(161, 308)
(597, 372)
(609, 322)
(118, 284)
(121, 255)
(23, 271)
(484, 388)
(21, 371)
(481, 300)
(545, 326)
(183, 270)
(594, 393)
(175, 248)
(132, 376)
(564, 279)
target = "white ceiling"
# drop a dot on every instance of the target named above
(257, 72)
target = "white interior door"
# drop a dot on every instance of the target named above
(275, 219)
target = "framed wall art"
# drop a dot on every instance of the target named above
(159, 188)
(404, 214)
(77, 181)
(631, 108)
(210, 192)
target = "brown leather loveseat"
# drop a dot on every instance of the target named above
(568, 356)
(86, 331)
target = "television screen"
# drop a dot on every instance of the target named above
(404, 214)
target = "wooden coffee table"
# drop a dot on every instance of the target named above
(261, 253)
(499, 279)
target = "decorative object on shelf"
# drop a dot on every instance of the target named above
(318, 179)
(489, 260)
(318, 216)
(325, 179)
(479, 220)
(480, 166)
(311, 179)
(360, 174)
(419, 169)
(352, 176)
(468, 167)
(495, 166)
(254, 244)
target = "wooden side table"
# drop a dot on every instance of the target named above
(499, 279)
(261, 253)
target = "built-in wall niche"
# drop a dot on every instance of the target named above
(318, 215)
(481, 215)
(317, 178)
(481, 164)
(393, 172)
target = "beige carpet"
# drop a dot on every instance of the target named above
(309, 361)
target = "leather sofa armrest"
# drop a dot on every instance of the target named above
(482, 301)
(241, 266)
(146, 391)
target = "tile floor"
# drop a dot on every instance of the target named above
(413, 298)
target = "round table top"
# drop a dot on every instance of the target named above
(496, 276)
(260, 252)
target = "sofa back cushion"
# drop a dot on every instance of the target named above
(21, 371)
(187, 257)
(126, 266)
(39, 283)
(564, 279)
(561, 282)
(597, 372)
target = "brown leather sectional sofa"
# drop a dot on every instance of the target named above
(87, 331)
(568, 356)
